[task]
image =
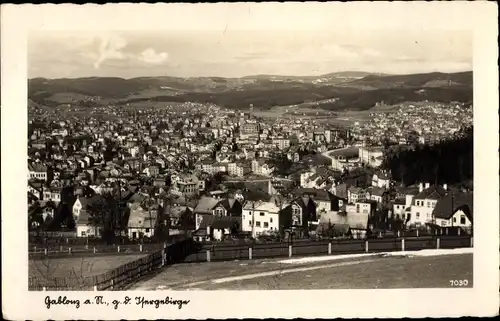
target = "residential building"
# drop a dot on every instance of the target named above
(260, 218)
(455, 210)
(424, 203)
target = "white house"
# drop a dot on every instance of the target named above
(423, 204)
(142, 222)
(381, 180)
(260, 217)
(37, 171)
(454, 210)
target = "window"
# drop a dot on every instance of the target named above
(444, 223)
(428, 216)
(257, 223)
(403, 216)
(462, 219)
(250, 222)
(418, 215)
(83, 233)
(270, 220)
(454, 220)
(147, 230)
(262, 214)
(266, 225)
(357, 208)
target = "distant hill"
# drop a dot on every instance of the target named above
(415, 80)
(352, 89)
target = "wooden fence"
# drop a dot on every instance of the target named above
(227, 252)
(189, 251)
(114, 279)
(89, 250)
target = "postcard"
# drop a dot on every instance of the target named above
(250, 160)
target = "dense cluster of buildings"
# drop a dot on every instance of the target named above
(422, 122)
(176, 168)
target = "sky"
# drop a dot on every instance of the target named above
(243, 51)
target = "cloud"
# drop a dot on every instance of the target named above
(110, 49)
(150, 56)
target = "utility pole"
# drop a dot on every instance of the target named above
(452, 206)
(253, 219)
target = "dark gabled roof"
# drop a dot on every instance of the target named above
(434, 193)
(205, 205)
(221, 222)
(382, 175)
(451, 203)
(316, 194)
(377, 191)
(399, 201)
(228, 203)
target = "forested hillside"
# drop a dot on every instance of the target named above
(448, 162)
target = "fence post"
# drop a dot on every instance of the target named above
(118, 248)
(44, 289)
(399, 233)
(249, 253)
(35, 249)
(289, 251)
(95, 287)
(402, 245)
(61, 248)
(437, 243)
(208, 255)
(94, 250)
(417, 233)
(458, 231)
(46, 251)
(446, 231)
(329, 248)
(87, 246)
(69, 250)
(67, 241)
(471, 242)
(366, 246)
(112, 284)
(140, 247)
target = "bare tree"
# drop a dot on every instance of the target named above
(46, 272)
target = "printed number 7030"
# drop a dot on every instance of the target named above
(459, 282)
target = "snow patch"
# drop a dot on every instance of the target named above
(285, 271)
(465, 250)
(327, 258)
(432, 252)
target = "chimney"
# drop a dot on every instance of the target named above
(420, 187)
(445, 186)
(427, 185)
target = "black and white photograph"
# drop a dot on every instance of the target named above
(240, 158)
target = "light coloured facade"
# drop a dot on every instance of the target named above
(260, 218)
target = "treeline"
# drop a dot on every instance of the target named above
(367, 99)
(348, 98)
(447, 162)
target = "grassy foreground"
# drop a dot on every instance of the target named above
(365, 273)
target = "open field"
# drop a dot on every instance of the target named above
(342, 118)
(363, 272)
(82, 266)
